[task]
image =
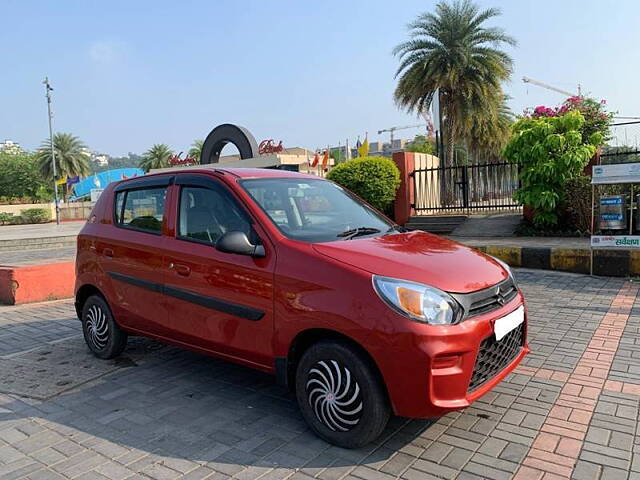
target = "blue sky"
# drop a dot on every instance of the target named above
(128, 74)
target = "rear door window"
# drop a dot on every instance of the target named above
(141, 209)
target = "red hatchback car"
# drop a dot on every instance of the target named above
(295, 276)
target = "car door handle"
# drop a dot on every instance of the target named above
(107, 252)
(180, 269)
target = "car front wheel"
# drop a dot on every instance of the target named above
(101, 333)
(340, 395)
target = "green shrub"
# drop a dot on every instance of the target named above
(5, 218)
(36, 215)
(375, 179)
(550, 152)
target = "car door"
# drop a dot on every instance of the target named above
(219, 301)
(131, 254)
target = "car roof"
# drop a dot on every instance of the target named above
(242, 173)
(264, 173)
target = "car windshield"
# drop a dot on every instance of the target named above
(315, 210)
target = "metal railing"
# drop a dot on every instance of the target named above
(466, 189)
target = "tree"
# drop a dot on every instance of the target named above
(453, 52)
(486, 135)
(421, 144)
(338, 155)
(72, 158)
(22, 179)
(156, 157)
(196, 149)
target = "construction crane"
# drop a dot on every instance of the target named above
(550, 87)
(393, 129)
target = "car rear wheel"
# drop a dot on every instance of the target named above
(340, 395)
(103, 336)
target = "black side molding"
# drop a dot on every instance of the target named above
(138, 282)
(215, 303)
(241, 311)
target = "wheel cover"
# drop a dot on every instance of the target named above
(97, 327)
(334, 395)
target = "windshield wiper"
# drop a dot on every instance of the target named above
(356, 232)
(397, 228)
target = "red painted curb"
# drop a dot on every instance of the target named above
(36, 283)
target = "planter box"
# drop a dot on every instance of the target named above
(36, 283)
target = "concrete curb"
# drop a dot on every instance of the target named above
(37, 243)
(611, 263)
(36, 283)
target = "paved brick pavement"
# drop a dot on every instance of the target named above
(160, 412)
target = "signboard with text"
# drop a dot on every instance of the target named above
(625, 241)
(617, 173)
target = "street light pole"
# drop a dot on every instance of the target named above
(53, 150)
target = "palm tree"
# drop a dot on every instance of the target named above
(72, 157)
(486, 134)
(156, 157)
(196, 149)
(452, 52)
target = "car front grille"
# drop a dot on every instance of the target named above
(488, 299)
(494, 356)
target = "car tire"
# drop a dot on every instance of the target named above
(101, 333)
(340, 394)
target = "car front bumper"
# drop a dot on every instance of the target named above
(431, 369)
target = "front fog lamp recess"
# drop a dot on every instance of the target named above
(417, 301)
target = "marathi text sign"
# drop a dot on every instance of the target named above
(626, 241)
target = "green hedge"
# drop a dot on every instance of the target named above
(375, 179)
(36, 215)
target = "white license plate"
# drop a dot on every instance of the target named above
(507, 323)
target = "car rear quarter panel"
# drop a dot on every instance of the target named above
(88, 271)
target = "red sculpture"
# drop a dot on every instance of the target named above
(267, 146)
(176, 160)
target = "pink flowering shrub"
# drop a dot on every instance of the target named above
(597, 119)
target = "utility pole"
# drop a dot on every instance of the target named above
(53, 150)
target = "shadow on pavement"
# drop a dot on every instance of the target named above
(175, 403)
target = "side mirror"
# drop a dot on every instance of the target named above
(238, 243)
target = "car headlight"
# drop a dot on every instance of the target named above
(417, 301)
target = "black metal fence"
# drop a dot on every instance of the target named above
(476, 188)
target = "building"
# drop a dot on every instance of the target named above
(100, 159)
(10, 146)
(297, 159)
(387, 149)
